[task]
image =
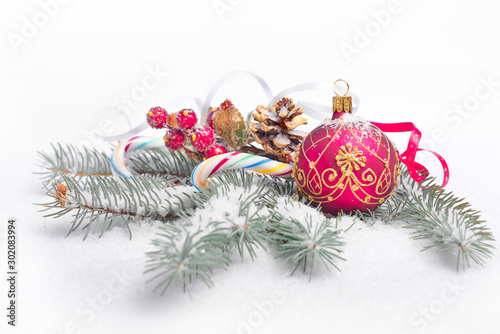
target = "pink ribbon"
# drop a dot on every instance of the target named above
(417, 171)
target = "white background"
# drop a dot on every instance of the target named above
(415, 63)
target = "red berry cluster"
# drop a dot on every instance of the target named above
(182, 126)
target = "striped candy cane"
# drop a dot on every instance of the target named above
(237, 160)
(118, 166)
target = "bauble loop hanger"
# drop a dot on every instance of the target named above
(343, 82)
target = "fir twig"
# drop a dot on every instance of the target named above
(83, 162)
(449, 224)
(241, 225)
(445, 220)
(210, 232)
(180, 257)
(163, 163)
(305, 235)
(69, 160)
(98, 201)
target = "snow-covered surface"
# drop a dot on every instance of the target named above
(92, 53)
(225, 208)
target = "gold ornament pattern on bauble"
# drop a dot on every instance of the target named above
(349, 158)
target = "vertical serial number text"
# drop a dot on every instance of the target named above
(11, 272)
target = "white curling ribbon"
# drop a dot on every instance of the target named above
(134, 144)
(316, 111)
(222, 80)
(132, 132)
(237, 160)
(124, 135)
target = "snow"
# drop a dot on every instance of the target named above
(282, 138)
(297, 133)
(224, 208)
(351, 118)
(169, 201)
(358, 124)
(291, 209)
(272, 115)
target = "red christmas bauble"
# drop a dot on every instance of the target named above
(346, 164)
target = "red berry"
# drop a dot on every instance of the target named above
(202, 138)
(226, 104)
(214, 150)
(174, 139)
(210, 117)
(157, 117)
(186, 118)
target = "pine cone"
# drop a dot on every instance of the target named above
(230, 125)
(275, 129)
